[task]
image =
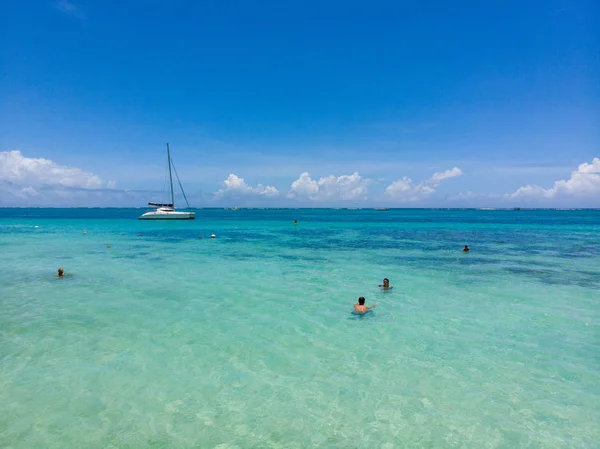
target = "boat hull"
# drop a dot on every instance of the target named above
(171, 215)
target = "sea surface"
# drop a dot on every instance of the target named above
(160, 338)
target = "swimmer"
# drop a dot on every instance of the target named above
(61, 273)
(386, 284)
(466, 249)
(360, 306)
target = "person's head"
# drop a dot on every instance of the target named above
(466, 246)
(61, 272)
(361, 301)
(386, 282)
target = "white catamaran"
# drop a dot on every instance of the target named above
(167, 211)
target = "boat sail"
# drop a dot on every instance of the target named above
(166, 211)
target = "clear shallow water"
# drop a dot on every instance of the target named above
(170, 340)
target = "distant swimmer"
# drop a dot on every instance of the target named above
(61, 273)
(386, 284)
(361, 308)
(466, 249)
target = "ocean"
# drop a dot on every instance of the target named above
(160, 338)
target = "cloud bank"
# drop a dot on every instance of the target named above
(39, 181)
(344, 188)
(235, 187)
(42, 182)
(584, 182)
(17, 169)
(405, 189)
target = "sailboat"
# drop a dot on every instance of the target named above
(162, 211)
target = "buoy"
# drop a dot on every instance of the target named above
(139, 235)
(108, 246)
(84, 232)
(213, 236)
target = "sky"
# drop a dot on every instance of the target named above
(301, 103)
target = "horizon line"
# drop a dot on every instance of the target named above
(379, 209)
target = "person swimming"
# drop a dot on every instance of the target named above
(466, 249)
(61, 273)
(386, 284)
(361, 308)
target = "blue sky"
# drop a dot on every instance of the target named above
(406, 104)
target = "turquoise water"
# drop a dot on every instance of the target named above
(248, 340)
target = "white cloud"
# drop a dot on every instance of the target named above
(405, 189)
(235, 186)
(304, 187)
(585, 181)
(29, 191)
(532, 191)
(440, 176)
(69, 8)
(42, 182)
(20, 170)
(345, 187)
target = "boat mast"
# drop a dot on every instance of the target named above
(170, 176)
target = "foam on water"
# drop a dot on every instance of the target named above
(248, 340)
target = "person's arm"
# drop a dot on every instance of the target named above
(372, 307)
